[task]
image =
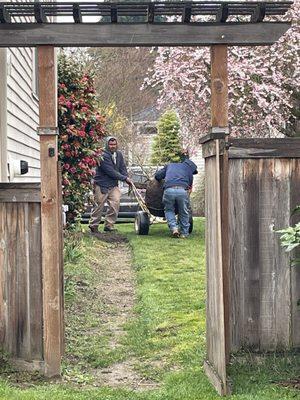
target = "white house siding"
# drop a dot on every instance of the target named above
(22, 112)
(199, 161)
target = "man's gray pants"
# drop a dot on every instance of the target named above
(112, 198)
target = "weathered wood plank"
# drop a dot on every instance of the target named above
(214, 378)
(209, 148)
(282, 272)
(11, 287)
(20, 271)
(35, 282)
(224, 206)
(20, 195)
(236, 235)
(267, 329)
(154, 34)
(22, 285)
(264, 148)
(3, 260)
(61, 259)
(215, 303)
(295, 271)
(251, 259)
(49, 213)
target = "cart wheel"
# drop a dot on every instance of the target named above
(142, 223)
(191, 223)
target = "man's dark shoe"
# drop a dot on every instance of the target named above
(109, 229)
(93, 229)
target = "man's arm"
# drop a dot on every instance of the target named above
(108, 169)
(161, 174)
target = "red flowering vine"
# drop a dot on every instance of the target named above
(81, 129)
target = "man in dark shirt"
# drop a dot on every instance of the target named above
(109, 172)
(178, 182)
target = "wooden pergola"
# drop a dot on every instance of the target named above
(200, 23)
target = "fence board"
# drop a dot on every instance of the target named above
(282, 270)
(251, 256)
(237, 236)
(215, 365)
(295, 271)
(21, 330)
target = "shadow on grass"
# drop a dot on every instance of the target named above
(251, 373)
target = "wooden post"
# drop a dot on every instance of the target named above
(219, 87)
(217, 230)
(50, 211)
(219, 121)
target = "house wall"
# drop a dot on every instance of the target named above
(199, 161)
(22, 112)
(3, 115)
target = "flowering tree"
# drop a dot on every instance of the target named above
(80, 130)
(263, 86)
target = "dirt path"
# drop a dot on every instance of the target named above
(113, 290)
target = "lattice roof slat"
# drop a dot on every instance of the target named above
(42, 11)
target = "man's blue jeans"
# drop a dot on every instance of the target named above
(179, 198)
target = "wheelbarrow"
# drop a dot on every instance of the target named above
(151, 207)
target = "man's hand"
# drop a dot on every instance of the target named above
(129, 181)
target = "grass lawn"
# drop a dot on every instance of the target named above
(165, 336)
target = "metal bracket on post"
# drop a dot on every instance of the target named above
(216, 133)
(220, 130)
(43, 131)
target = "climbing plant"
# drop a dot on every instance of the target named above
(80, 129)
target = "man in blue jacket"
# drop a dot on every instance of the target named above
(178, 183)
(109, 172)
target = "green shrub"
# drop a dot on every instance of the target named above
(166, 146)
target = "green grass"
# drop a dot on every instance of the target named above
(167, 335)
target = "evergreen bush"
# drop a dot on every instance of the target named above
(167, 145)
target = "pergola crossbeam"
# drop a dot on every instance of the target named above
(186, 12)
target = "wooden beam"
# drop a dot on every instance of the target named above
(142, 34)
(49, 211)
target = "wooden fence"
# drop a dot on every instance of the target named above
(21, 305)
(252, 186)
(264, 188)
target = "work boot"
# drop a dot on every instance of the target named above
(109, 229)
(175, 233)
(93, 229)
